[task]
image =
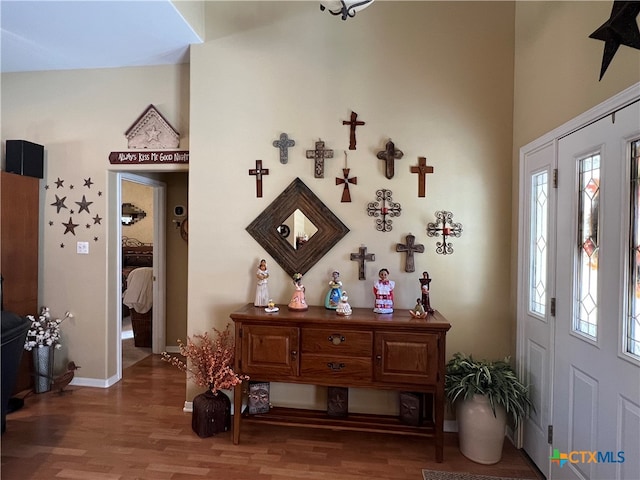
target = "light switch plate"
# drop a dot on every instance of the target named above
(83, 248)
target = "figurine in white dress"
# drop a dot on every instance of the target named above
(262, 292)
(343, 307)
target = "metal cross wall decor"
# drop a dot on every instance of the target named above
(346, 195)
(389, 154)
(383, 206)
(360, 257)
(410, 248)
(435, 230)
(353, 123)
(283, 144)
(319, 154)
(258, 172)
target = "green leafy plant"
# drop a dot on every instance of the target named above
(466, 377)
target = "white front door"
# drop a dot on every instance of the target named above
(596, 382)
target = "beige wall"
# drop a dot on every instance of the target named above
(428, 75)
(80, 117)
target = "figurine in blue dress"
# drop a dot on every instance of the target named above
(332, 299)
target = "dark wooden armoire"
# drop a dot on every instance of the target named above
(19, 221)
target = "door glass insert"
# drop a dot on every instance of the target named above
(538, 243)
(632, 326)
(586, 308)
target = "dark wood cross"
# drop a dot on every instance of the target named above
(258, 172)
(319, 154)
(410, 248)
(389, 154)
(346, 195)
(283, 144)
(422, 169)
(353, 123)
(361, 256)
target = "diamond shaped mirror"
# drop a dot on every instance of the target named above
(276, 226)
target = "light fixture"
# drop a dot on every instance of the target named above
(344, 8)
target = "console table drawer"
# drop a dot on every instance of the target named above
(335, 367)
(337, 341)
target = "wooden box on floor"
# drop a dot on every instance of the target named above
(141, 325)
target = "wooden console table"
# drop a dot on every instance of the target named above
(366, 350)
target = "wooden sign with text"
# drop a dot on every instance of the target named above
(159, 157)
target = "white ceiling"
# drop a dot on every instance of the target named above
(62, 35)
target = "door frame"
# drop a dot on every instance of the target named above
(158, 321)
(617, 102)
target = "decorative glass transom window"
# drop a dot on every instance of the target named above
(585, 319)
(538, 243)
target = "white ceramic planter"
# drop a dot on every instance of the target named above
(481, 434)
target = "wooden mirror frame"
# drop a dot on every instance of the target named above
(297, 196)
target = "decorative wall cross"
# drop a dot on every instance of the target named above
(434, 230)
(389, 154)
(346, 195)
(382, 207)
(422, 169)
(353, 123)
(319, 154)
(259, 172)
(360, 257)
(283, 144)
(410, 248)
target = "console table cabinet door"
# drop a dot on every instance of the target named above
(272, 351)
(406, 358)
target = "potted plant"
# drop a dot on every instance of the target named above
(485, 394)
(209, 364)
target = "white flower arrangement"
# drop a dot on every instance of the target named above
(44, 331)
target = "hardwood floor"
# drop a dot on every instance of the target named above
(137, 430)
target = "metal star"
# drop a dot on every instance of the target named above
(99, 194)
(59, 203)
(50, 223)
(95, 239)
(88, 225)
(70, 227)
(59, 183)
(84, 205)
(97, 220)
(46, 187)
(620, 29)
(88, 182)
(62, 245)
(70, 187)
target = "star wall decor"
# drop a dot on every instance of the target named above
(51, 223)
(59, 183)
(620, 29)
(84, 205)
(59, 203)
(70, 226)
(88, 182)
(97, 220)
(46, 187)
(62, 245)
(95, 239)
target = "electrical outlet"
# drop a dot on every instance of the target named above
(83, 248)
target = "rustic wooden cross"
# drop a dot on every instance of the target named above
(353, 123)
(410, 248)
(389, 154)
(319, 154)
(422, 169)
(258, 172)
(346, 195)
(283, 144)
(361, 256)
